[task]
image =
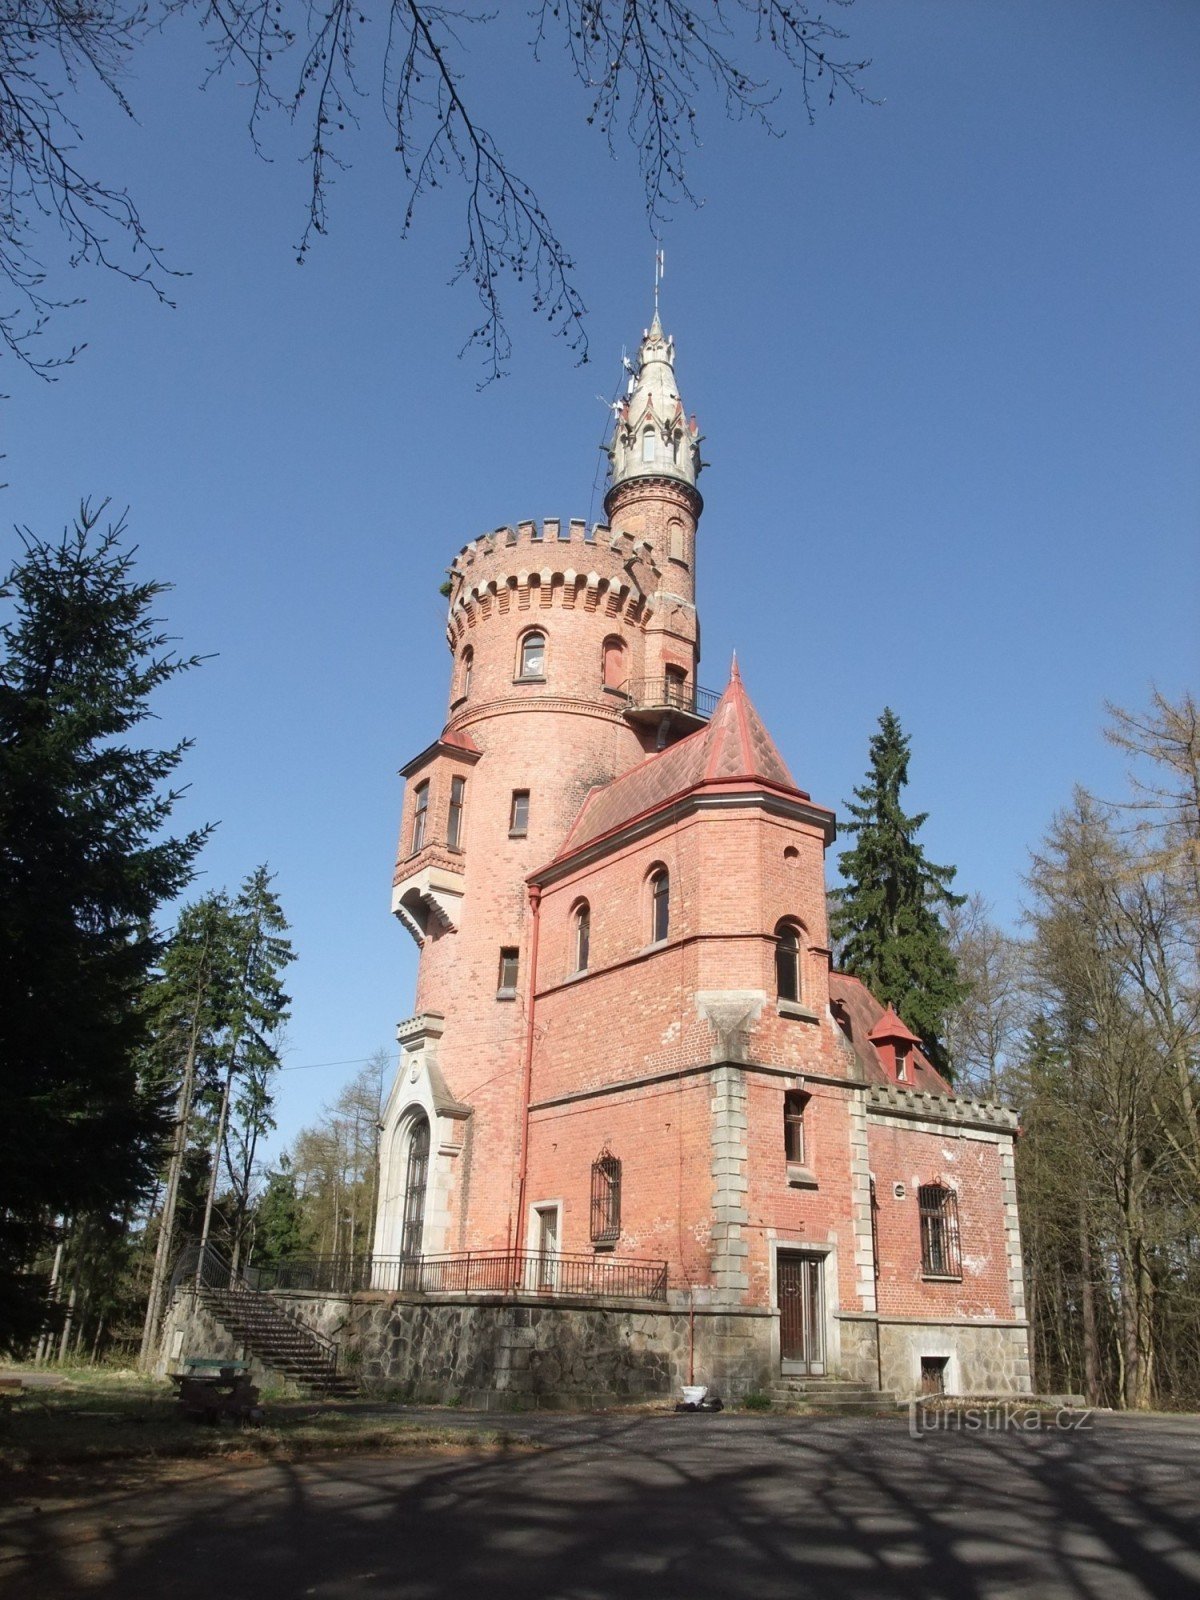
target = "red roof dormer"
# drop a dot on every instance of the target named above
(893, 1041)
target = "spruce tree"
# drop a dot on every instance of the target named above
(85, 864)
(885, 922)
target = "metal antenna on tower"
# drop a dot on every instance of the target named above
(659, 267)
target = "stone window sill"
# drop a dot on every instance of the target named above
(655, 944)
(604, 1246)
(793, 1008)
(459, 700)
(531, 678)
(621, 694)
(518, 833)
(506, 994)
(941, 1277)
(800, 1177)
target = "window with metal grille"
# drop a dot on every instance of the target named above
(420, 817)
(458, 790)
(606, 1198)
(794, 1102)
(416, 1173)
(941, 1256)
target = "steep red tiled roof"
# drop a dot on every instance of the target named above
(460, 739)
(851, 999)
(734, 746)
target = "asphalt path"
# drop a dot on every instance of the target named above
(652, 1506)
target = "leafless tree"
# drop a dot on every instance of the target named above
(645, 66)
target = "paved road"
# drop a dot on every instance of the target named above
(653, 1507)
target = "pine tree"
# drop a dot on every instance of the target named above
(85, 864)
(885, 922)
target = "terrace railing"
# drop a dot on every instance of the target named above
(670, 694)
(597, 1277)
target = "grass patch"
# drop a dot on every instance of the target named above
(95, 1416)
(756, 1402)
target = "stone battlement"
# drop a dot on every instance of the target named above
(522, 567)
(890, 1099)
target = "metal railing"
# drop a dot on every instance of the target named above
(206, 1268)
(597, 1277)
(670, 694)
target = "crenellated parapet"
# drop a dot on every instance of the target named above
(535, 565)
(921, 1105)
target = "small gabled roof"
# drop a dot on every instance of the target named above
(891, 1027)
(733, 748)
(865, 1021)
(452, 741)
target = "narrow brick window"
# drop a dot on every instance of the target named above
(518, 816)
(606, 1198)
(660, 905)
(941, 1256)
(794, 1102)
(507, 985)
(582, 939)
(533, 656)
(458, 790)
(613, 669)
(464, 676)
(901, 1063)
(420, 818)
(648, 445)
(787, 961)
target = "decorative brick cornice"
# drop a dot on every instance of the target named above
(609, 709)
(918, 1105)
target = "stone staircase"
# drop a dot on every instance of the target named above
(281, 1343)
(834, 1395)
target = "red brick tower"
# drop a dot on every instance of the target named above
(574, 655)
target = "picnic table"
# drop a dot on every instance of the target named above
(211, 1388)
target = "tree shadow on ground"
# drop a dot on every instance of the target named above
(654, 1507)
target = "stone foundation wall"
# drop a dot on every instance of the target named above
(980, 1359)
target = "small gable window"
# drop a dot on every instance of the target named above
(582, 936)
(606, 1198)
(420, 818)
(941, 1254)
(660, 905)
(901, 1063)
(787, 961)
(533, 656)
(454, 821)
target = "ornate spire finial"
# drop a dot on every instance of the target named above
(653, 437)
(735, 675)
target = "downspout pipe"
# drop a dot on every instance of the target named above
(535, 901)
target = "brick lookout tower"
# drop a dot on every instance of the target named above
(637, 1118)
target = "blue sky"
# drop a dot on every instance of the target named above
(944, 352)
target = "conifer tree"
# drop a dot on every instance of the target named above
(85, 863)
(885, 922)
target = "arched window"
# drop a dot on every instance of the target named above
(532, 663)
(676, 540)
(614, 672)
(787, 961)
(660, 904)
(581, 936)
(606, 1198)
(454, 817)
(420, 818)
(464, 672)
(648, 445)
(416, 1175)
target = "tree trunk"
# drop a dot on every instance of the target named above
(166, 1225)
(1091, 1361)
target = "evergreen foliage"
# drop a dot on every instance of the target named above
(84, 867)
(885, 922)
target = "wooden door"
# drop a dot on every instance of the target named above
(802, 1313)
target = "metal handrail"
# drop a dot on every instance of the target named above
(210, 1270)
(598, 1276)
(672, 694)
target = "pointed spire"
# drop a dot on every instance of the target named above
(653, 436)
(734, 674)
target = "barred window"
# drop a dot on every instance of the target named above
(941, 1256)
(606, 1198)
